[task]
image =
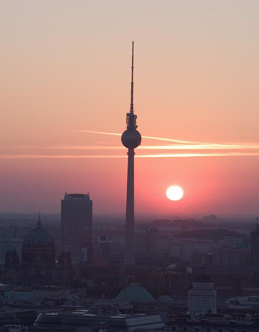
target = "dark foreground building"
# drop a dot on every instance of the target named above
(87, 321)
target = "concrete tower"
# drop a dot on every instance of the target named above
(131, 139)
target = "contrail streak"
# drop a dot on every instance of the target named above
(181, 149)
(202, 147)
(149, 137)
(211, 146)
(189, 155)
(28, 156)
(169, 155)
(185, 145)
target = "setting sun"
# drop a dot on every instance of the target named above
(174, 193)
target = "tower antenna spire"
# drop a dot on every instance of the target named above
(132, 80)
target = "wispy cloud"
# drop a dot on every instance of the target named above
(202, 146)
(209, 146)
(168, 155)
(185, 144)
(148, 137)
(205, 154)
(188, 145)
(176, 149)
(44, 156)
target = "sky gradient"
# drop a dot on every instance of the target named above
(65, 92)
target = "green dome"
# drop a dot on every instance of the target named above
(135, 293)
(38, 237)
(38, 247)
(166, 299)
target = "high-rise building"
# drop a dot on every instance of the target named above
(76, 221)
(131, 139)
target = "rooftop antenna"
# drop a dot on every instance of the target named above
(132, 83)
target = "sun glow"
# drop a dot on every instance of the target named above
(174, 193)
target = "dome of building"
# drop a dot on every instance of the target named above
(38, 237)
(166, 299)
(38, 246)
(135, 293)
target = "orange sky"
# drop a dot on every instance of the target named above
(65, 70)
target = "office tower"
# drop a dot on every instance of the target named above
(76, 221)
(131, 139)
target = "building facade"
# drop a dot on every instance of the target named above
(202, 297)
(76, 222)
(37, 267)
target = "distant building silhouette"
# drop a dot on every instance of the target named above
(255, 247)
(37, 267)
(38, 247)
(11, 258)
(76, 224)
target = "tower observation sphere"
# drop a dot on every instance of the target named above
(131, 139)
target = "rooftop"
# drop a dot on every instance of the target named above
(77, 196)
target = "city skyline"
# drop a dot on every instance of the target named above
(65, 83)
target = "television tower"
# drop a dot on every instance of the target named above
(131, 139)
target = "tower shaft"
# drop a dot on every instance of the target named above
(129, 252)
(131, 139)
